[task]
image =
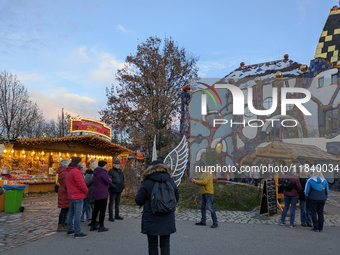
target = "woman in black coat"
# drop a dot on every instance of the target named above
(156, 225)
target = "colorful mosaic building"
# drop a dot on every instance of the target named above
(227, 144)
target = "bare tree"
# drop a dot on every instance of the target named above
(54, 127)
(66, 122)
(17, 112)
(20, 117)
(29, 122)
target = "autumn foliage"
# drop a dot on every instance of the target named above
(147, 96)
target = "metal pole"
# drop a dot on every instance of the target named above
(62, 122)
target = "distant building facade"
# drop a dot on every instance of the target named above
(227, 144)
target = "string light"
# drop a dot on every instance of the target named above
(91, 140)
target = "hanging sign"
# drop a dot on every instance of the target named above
(274, 153)
(90, 126)
(123, 155)
(140, 155)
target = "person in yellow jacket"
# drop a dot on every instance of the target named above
(207, 190)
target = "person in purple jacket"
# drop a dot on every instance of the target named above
(290, 197)
(100, 193)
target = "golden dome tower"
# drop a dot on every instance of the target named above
(329, 43)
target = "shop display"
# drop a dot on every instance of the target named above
(35, 161)
(27, 167)
(31, 167)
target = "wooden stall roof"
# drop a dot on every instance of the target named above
(91, 140)
(302, 151)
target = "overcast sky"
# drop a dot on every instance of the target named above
(66, 52)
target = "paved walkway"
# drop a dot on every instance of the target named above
(40, 219)
(124, 238)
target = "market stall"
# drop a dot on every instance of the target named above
(297, 154)
(282, 156)
(34, 161)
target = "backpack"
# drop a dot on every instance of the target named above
(287, 185)
(163, 199)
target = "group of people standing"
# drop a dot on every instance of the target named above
(98, 184)
(312, 191)
(80, 187)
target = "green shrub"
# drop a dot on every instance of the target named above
(227, 196)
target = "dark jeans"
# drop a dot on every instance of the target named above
(62, 215)
(289, 201)
(99, 206)
(86, 210)
(164, 244)
(316, 207)
(208, 199)
(92, 209)
(114, 198)
(76, 208)
(305, 215)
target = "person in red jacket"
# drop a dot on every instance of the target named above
(63, 201)
(76, 192)
(290, 197)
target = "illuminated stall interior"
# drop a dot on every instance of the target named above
(35, 161)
